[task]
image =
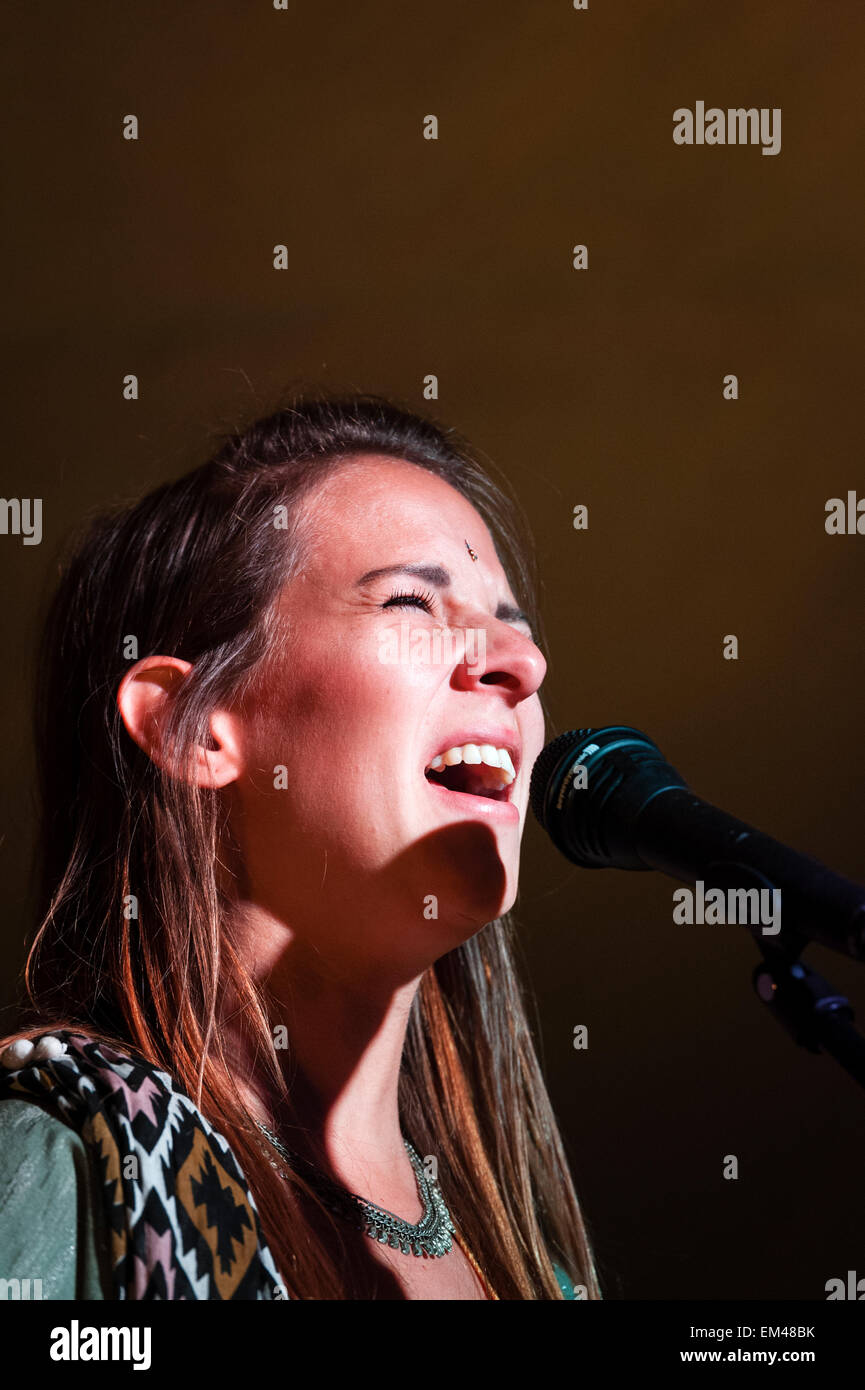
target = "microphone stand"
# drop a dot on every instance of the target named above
(812, 1012)
(805, 1005)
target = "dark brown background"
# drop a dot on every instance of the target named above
(601, 387)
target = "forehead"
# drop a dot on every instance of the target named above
(377, 501)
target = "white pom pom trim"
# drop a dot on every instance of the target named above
(48, 1049)
(22, 1051)
(16, 1054)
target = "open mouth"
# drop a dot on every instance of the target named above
(475, 771)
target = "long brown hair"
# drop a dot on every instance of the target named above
(193, 570)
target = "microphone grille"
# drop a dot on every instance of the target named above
(548, 758)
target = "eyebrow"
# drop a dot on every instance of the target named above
(440, 579)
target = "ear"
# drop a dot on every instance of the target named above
(144, 697)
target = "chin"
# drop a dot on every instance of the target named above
(486, 907)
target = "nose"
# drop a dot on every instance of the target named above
(498, 655)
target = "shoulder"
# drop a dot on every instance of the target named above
(75, 1074)
(183, 1223)
(115, 1101)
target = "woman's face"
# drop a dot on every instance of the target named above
(399, 648)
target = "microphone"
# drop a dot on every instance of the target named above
(609, 799)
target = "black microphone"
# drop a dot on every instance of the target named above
(609, 800)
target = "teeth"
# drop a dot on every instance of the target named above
(472, 753)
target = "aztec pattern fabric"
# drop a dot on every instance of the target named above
(183, 1222)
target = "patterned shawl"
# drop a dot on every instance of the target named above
(183, 1222)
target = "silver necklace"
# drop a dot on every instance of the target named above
(432, 1235)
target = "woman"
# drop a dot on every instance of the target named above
(288, 709)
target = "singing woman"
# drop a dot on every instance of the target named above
(273, 1039)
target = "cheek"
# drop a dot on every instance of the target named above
(329, 710)
(534, 732)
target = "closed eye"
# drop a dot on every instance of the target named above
(411, 599)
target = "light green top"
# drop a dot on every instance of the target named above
(52, 1226)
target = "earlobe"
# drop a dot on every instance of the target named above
(143, 699)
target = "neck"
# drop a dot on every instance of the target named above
(343, 1041)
